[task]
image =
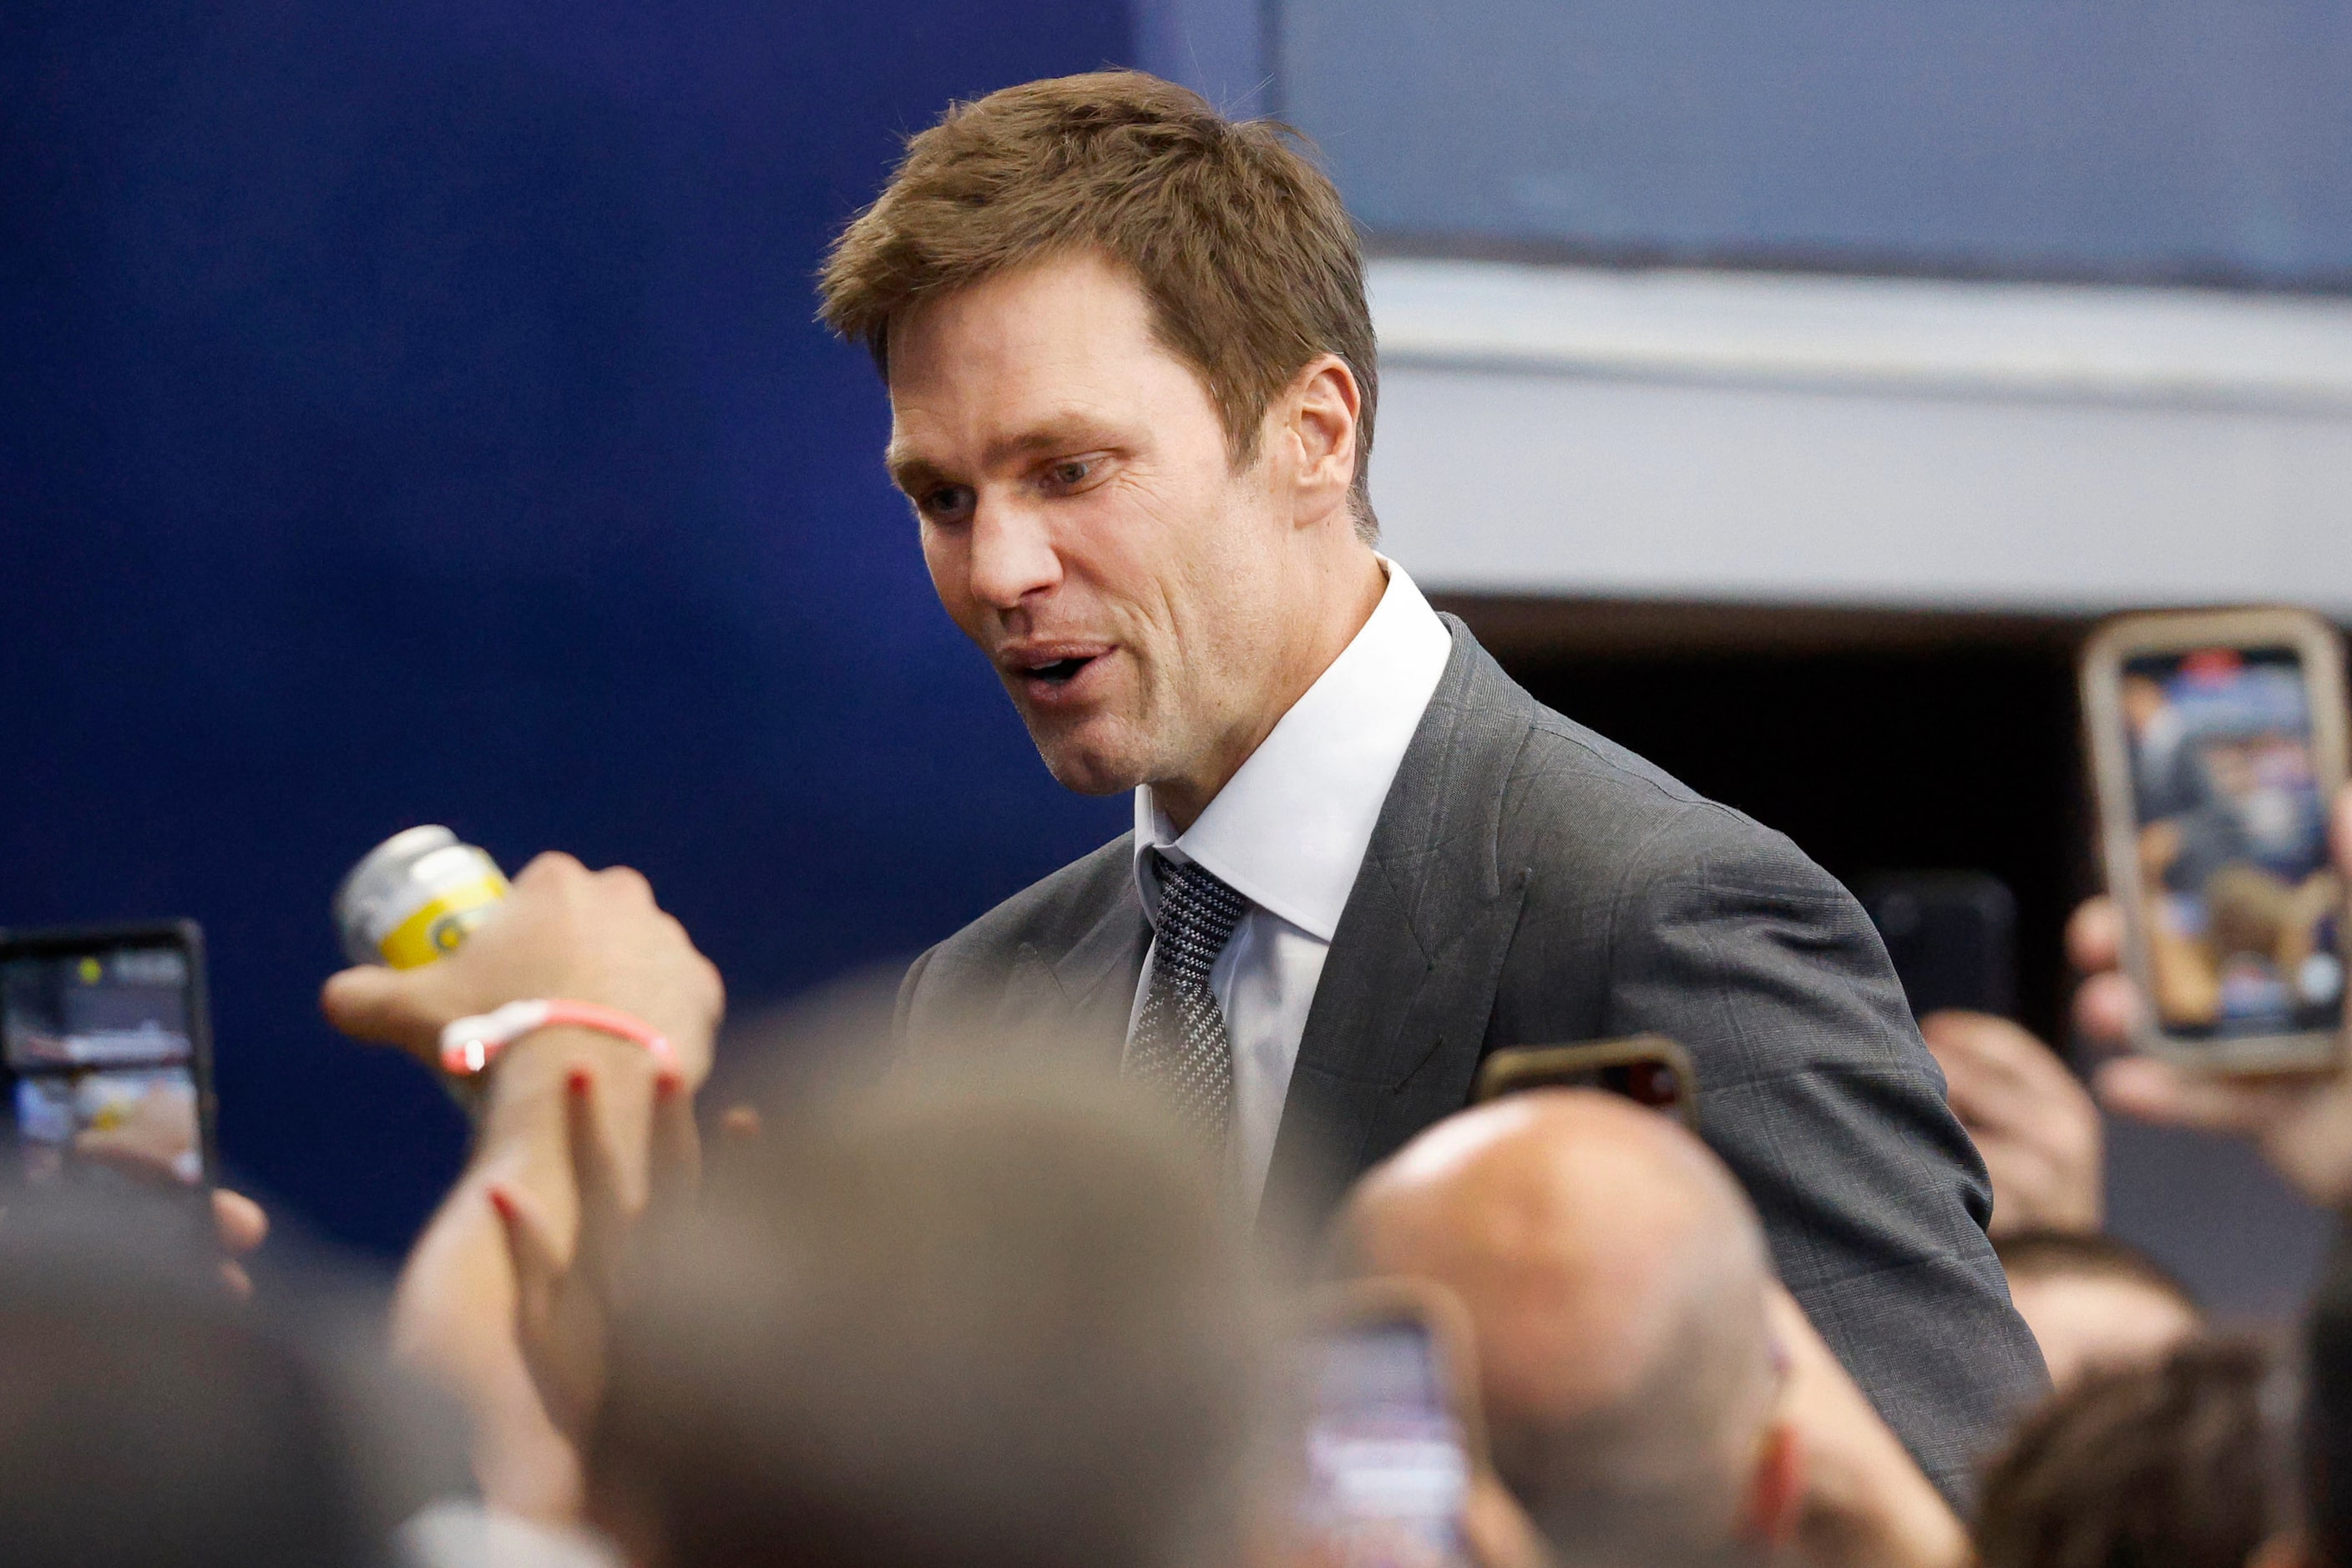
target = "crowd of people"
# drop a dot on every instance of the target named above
(958, 1318)
(1033, 1271)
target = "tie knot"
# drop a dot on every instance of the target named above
(1197, 912)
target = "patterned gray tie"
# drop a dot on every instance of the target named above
(1181, 1043)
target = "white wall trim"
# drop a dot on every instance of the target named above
(1775, 439)
(2180, 347)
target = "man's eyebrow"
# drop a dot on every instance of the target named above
(1073, 432)
(906, 469)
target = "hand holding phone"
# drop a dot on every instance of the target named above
(2301, 1121)
(1395, 1452)
(2216, 740)
(106, 1051)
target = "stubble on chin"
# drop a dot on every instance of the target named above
(1087, 758)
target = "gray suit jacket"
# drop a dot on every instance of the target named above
(1530, 883)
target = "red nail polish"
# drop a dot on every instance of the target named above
(576, 1081)
(668, 1085)
(502, 1201)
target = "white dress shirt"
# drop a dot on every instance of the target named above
(1288, 833)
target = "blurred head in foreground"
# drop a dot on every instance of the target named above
(1616, 1279)
(147, 1418)
(2168, 1463)
(952, 1323)
(2093, 1302)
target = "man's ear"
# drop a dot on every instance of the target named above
(1774, 1504)
(1318, 412)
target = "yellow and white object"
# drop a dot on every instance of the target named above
(415, 897)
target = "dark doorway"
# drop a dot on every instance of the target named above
(1881, 743)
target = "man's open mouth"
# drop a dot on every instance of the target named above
(1060, 671)
(1050, 665)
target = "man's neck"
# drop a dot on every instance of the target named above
(1352, 598)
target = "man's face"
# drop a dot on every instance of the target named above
(1083, 524)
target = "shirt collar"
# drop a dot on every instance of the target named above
(1289, 829)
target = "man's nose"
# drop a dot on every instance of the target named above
(1012, 554)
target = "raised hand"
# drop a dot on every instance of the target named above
(2301, 1121)
(564, 1304)
(564, 931)
(2035, 1125)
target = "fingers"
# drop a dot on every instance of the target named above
(1999, 1073)
(1497, 1530)
(674, 1170)
(531, 1251)
(2107, 1008)
(2094, 936)
(1991, 1050)
(2156, 1091)
(628, 880)
(241, 1223)
(550, 868)
(604, 1209)
(373, 1003)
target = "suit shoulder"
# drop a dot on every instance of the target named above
(1573, 787)
(1049, 915)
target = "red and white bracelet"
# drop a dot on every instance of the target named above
(470, 1044)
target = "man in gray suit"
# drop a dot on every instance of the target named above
(1132, 382)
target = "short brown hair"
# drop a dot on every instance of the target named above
(2172, 1466)
(981, 1316)
(2050, 1254)
(1241, 243)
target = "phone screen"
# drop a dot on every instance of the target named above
(2242, 906)
(1388, 1469)
(103, 1063)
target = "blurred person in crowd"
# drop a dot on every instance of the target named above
(2173, 1463)
(2094, 1303)
(2033, 1123)
(1132, 383)
(1652, 1397)
(2302, 1123)
(151, 1419)
(953, 1324)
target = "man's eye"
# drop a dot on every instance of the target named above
(948, 501)
(1070, 473)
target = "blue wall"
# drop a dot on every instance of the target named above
(413, 413)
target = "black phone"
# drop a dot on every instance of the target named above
(1648, 1069)
(1951, 935)
(106, 1047)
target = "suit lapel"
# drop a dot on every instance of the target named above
(1096, 978)
(1399, 1016)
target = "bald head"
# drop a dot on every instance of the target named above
(1615, 1278)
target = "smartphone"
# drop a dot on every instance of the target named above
(1648, 1069)
(1393, 1440)
(106, 1048)
(2217, 743)
(1951, 936)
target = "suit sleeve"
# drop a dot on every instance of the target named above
(906, 1043)
(1815, 1087)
